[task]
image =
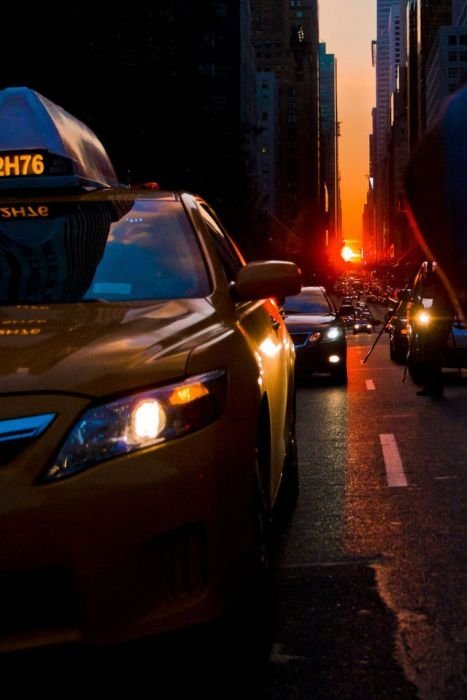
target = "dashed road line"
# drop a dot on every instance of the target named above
(370, 385)
(392, 461)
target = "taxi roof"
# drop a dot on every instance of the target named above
(66, 152)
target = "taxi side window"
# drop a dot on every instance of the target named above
(228, 256)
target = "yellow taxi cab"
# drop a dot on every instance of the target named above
(147, 417)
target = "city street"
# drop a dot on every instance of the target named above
(372, 575)
(371, 569)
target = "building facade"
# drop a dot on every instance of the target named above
(285, 35)
(446, 68)
(329, 150)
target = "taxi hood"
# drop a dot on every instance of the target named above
(98, 349)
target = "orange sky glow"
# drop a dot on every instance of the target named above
(348, 28)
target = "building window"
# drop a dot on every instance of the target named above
(452, 40)
(463, 39)
(452, 56)
(463, 55)
(452, 73)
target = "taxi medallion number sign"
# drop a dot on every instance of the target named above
(21, 164)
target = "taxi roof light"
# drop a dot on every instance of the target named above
(43, 146)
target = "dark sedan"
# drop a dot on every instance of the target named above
(317, 333)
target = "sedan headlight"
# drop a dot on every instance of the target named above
(140, 421)
(333, 333)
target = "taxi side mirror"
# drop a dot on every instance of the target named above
(265, 279)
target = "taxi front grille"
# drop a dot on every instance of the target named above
(177, 562)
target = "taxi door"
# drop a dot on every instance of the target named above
(265, 331)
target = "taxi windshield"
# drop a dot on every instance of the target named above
(123, 250)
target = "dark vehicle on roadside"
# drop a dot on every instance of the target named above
(317, 333)
(398, 330)
(423, 318)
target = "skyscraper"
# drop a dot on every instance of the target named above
(285, 34)
(383, 72)
(459, 12)
(329, 163)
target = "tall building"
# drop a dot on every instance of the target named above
(446, 68)
(329, 160)
(425, 17)
(268, 138)
(383, 72)
(459, 12)
(385, 78)
(395, 48)
(285, 34)
(174, 99)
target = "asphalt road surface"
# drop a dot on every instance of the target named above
(371, 571)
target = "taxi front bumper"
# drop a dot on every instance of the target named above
(136, 545)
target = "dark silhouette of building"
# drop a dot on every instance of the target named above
(168, 86)
(286, 42)
(329, 153)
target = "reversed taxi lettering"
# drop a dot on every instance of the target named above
(28, 212)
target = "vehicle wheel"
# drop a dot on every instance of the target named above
(254, 619)
(339, 375)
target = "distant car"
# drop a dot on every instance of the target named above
(317, 333)
(346, 314)
(147, 405)
(362, 324)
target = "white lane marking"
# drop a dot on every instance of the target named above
(392, 461)
(370, 385)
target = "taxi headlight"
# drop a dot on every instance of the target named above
(140, 421)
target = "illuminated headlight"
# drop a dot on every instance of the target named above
(140, 421)
(334, 359)
(369, 326)
(314, 337)
(423, 318)
(333, 333)
(356, 326)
